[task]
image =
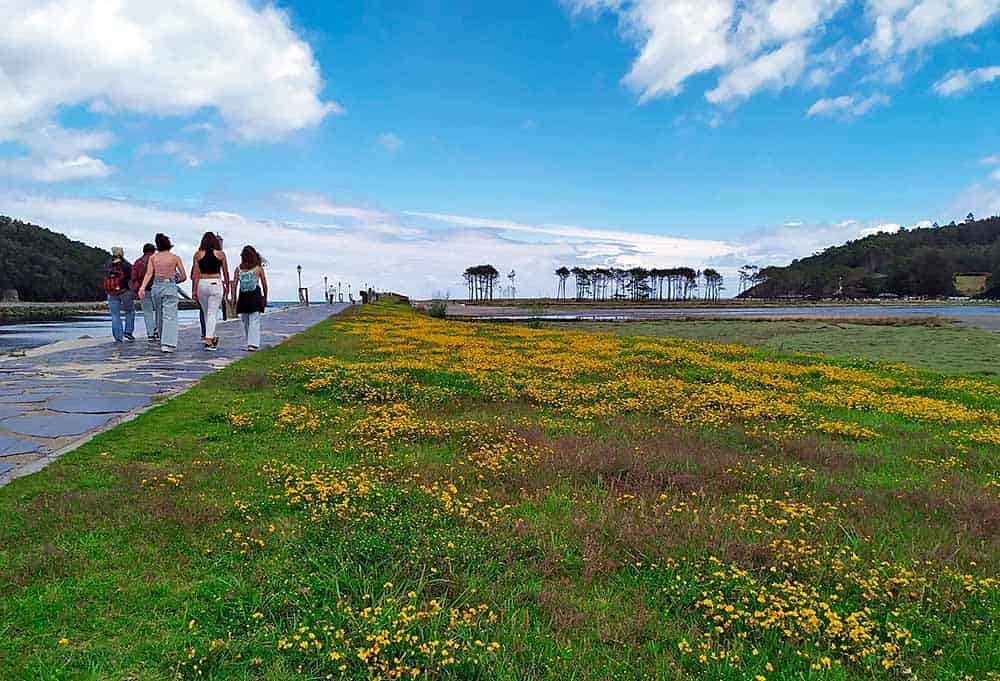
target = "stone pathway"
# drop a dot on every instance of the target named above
(52, 402)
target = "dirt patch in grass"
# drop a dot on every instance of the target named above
(644, 466)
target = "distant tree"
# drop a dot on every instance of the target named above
(713, 283)
(932, 274)
(481, 280)
(563, 274)
(581, 276)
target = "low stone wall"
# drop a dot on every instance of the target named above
(42, 312)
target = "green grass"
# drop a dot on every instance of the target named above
(938, 347)
(120, 560)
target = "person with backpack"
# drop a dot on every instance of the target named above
(117, 276)
(164, 271)
(138, 274)
(250, 294)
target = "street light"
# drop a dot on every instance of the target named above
(299, 268)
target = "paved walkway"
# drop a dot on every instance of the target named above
(53, 401)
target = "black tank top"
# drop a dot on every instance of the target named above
(209, 264)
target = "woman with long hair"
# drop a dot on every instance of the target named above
(138, 276)
(165, 270)
(209, 281)
(250, 294)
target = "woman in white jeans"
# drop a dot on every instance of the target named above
(209, 282)
(250, 293)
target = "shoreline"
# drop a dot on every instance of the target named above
(16, 313)
(11, 313)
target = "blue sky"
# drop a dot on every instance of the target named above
(398, 142)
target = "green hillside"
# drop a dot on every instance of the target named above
(915, 262)
(42, 265)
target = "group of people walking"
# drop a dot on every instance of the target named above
(155, 280)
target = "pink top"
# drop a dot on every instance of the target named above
(164, 265)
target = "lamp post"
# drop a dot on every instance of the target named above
(326, 290)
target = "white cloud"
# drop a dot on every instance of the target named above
(773, 44)
(419, 253)
(959, 82)
(389, 142)
(773, 71)
(982, 198)
(317, 204)
(996, 175)
(903, 26)
(244, 62)
(781, 244)
(60, 169)
(182, 151)
(846, 105)
(634, 248)
(990, 160)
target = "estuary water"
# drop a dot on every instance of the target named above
(26, 335)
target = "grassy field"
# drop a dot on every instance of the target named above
(924, 343)
(391, 496)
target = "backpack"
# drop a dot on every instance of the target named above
(114, 278)
(248, 281)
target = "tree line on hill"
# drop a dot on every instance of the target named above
(44, 266)
(910, 262)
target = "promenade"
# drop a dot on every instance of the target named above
(57, 398)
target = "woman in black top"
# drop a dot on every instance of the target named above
(210, 285)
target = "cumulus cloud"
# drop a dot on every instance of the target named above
(905, 25)
(990, 160)
(959, 82)
(241, 61)
(774, 44)
(774, 71)
(846, 105)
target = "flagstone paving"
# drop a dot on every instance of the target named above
(52, 402)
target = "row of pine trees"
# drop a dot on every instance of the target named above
(610, 283)
(639, 283)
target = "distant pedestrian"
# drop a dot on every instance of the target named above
(250, 294)
(165, 273)
(117, 276)
(210, 279)
(135, 283)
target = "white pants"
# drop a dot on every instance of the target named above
(210, 300)
(251, 325)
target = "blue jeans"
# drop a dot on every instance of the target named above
(149, 314)
(165, 297)
(118, 303)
